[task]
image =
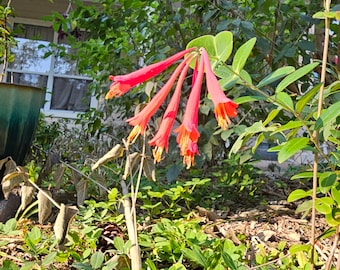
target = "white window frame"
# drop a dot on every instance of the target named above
(50, 77)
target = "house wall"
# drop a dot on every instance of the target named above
(36, 9)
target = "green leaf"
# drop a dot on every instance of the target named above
(246, 99)
(118, 243)
(195, 255)
(297, 74)
(271, 116)
(298, 248)
(335, 195)
(34, 235)
(276, 75)
(304, 207)
(223, 45)
(319, 15)
(242, 55)
(332, 220)
(298, 194)
(302, 175)
(26, 266)
(9, 265)
(291, 147)
(97, 260)
(284, 100)
(151, 264)
(112, 196)
(49, 258)
(326, 181)
(289, 125)
(218, 47)
(328, 115)
(228, 261)
(324, 205)
(306, 98)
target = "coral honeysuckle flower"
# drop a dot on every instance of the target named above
(123, 83)
(224, 107)
(140, 120)
(188, 131)
(161, 139)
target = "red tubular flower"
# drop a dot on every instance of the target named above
(140, 120)
(123, 83)
(224, 107)
(188, 131)
(161, 139)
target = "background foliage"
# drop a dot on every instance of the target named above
(118, 40)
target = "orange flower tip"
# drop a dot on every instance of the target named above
(117, 89)
(223, 111)
(134, 134)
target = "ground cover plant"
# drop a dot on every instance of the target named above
(162, 219)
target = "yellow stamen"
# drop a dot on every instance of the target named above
(157, 153)
(134, 134)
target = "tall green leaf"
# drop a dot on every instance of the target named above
(195, 255)
(297, 74)
(228, 260)
(289, 125)
(242, 55)
(276, 75)
(306, 98)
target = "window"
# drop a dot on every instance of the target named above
(66, 90)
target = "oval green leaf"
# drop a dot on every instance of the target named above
(336, 195)
(218, 47)
(284, 100)
(298, 194)
(326, 181)
(306, 98)
(291, 147)
(323, 205)
(97, 260)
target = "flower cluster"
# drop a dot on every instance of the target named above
(187, 132)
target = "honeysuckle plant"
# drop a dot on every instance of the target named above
(207, 56)
(187, 133)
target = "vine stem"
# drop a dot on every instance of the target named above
(130, 212)
(316, 133)
(335, 245)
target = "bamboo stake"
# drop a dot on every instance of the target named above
(316, 134)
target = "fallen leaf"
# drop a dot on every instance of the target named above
(63, 221)
(27, 192)
(44, 206)
(116, 152)
(58, 175)
(81, 188)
